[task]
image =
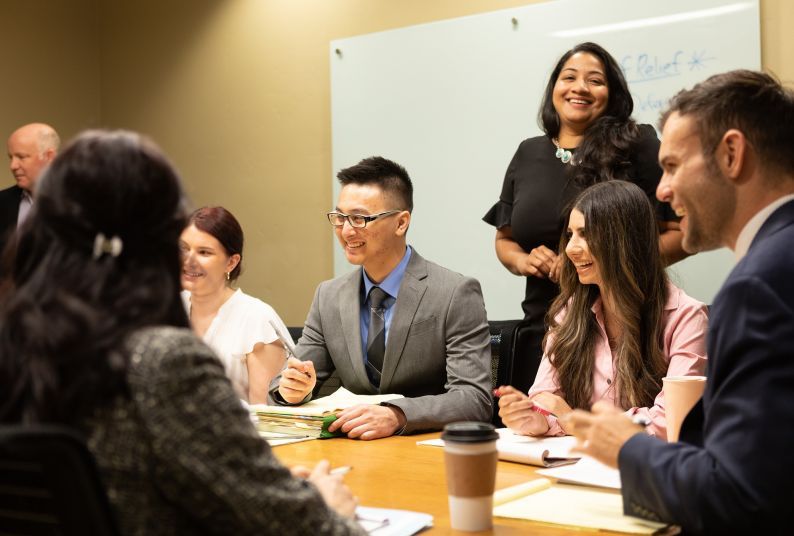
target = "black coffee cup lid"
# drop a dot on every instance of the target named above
(469, 432)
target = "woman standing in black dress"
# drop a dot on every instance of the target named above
(589, 137)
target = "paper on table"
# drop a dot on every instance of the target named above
(338, 400)
(562, 504)
(587, 471)
(540, 451)
(388, 522)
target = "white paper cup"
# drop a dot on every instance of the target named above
(681, 393)
(470, 459)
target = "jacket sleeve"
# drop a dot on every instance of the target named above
(740, 479)
(208, 457)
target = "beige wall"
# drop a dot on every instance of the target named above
(237, 93)
(50, 68)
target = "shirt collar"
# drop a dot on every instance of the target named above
(391, 283)
(752, 227)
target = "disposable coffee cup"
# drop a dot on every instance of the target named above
(681, 393)
(470, 460)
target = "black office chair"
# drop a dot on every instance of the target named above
(502, 334)
(511, 361)
(49, 484)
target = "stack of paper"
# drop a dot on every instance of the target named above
(540, 451)
(281, 424)
(541, 501)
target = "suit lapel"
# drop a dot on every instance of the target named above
(349, 314)
(412, 289)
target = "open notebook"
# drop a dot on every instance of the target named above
(574, 506)
(540, 451)
(287, 424)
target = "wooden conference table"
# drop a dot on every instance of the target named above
(395, 472)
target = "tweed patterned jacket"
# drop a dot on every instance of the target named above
(180, 455)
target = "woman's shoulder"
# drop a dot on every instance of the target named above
(534, 143)
(154, 346)
(678, 300)
(252, 305)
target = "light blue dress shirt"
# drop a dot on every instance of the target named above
(391, 286)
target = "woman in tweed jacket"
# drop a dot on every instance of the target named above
(93, 335)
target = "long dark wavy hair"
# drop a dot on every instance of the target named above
(605, 149)
(622, 236)
(66, 309)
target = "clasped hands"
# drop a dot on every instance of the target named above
(541, 262)
(364, 421)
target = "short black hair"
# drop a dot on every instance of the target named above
(390, 176)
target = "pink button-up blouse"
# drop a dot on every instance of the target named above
(685, 323)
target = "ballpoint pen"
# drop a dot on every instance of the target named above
(289, 346)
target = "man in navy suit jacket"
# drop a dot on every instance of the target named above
(729, 174)
(30, 149)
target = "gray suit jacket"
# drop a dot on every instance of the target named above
(437, 352)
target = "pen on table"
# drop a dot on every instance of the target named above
(341, 470)
(543, 411)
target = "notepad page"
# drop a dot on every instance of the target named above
(594, 509)
(587, 471)
(338, 400)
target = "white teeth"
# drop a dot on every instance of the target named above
(579, 101)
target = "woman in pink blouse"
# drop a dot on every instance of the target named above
(618, 326)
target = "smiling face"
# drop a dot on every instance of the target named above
(696, 190)
(579, 253)
(204, 262)
(580, 93)
(380, 245)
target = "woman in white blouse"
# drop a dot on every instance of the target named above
(237, 326)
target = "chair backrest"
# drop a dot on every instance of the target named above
(49, 484)
(502, 334)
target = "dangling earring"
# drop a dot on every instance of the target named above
(227, 275)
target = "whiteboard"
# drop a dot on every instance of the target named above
(452, 100)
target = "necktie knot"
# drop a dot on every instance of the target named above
(376, 297)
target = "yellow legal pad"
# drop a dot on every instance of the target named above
(575, 506)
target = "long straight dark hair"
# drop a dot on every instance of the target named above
(604, 153)
(623, 238)
(69, 303)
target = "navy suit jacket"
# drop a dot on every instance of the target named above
(9, 210)
(732, 472)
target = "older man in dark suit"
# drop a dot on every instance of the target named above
(400, 324)
(729, 174)
(30, 149)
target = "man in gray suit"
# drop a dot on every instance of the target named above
(400, 325)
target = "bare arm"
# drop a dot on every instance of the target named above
(264, 363)
(670, 247)
(539, 262)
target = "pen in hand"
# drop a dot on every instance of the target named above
(499, 391)
(289, 345)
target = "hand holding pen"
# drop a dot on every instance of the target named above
(519, 413)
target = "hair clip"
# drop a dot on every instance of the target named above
(112, 246)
